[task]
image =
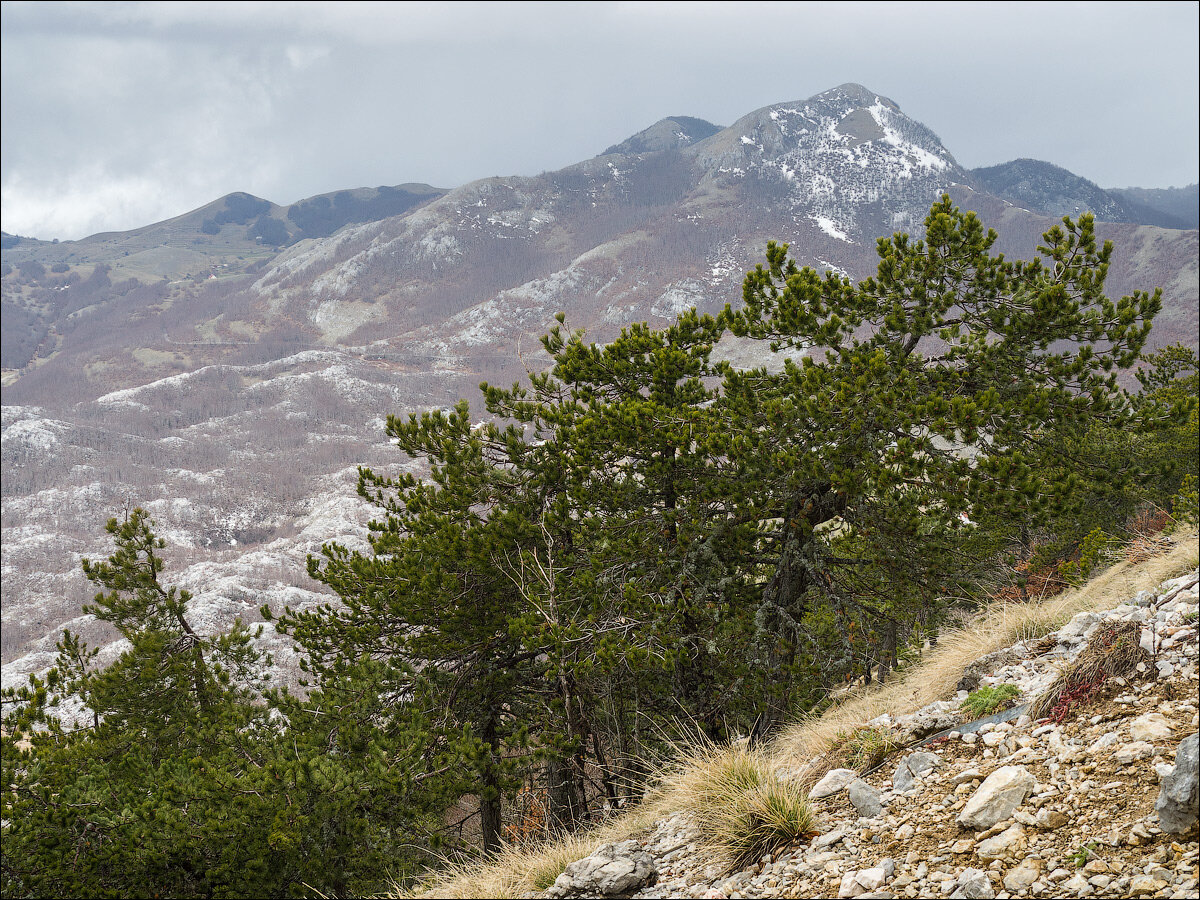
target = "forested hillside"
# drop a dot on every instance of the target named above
(642, 540)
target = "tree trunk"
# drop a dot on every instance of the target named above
(489, 816)
(489, 796)
(562, 796)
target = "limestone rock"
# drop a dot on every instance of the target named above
(866, 881)
(614, 870)
(834, 781)
(821, 841)
(1178, 804)
(996, 799)
(911, 766)
(1133, 752)
(1049, 819)
(865, 799)
(1023, 876)
(1077, 885)
(1006, 843)
(1153, 726)
(1143, 885)
(973, 884)
(937, 716)
(1078, 629)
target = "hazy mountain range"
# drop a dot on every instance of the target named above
(229, 368)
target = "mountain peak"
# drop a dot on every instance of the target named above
(855, 93)
(847, 159)
(671, 133)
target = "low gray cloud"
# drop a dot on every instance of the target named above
(119, 114)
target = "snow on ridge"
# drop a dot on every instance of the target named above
(834, 268)
(126, 395)
(40, 434)
(15, 413)
(830, 227)
(679, 297)
(924, 158)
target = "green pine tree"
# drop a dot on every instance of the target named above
(934, 391)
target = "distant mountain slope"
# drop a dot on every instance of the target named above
(1179, 204)
(223, 237)
(672, 133)
(1045, 188)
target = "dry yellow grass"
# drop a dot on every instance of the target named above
(520, 870)
(936, 675)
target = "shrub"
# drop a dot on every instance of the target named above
(988, 700)
(1186, 503)
(1114, 650)
(1085, 852)
(865, 748)
(1091, 553)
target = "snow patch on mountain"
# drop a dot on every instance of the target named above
(678, 298)
(33, 434)
(828, 226)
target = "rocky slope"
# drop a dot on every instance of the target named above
(1180, 203)
(1098, 801)
(1051, 190)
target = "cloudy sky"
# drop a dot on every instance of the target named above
(116, 115)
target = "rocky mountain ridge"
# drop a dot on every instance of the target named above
(1098, 800)
(1051, 190)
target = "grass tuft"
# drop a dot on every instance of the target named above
(742, 808)
(1114, 650)
(988, 700)
(864, 748)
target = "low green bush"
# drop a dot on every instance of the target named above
(865, 748)
(988, 700)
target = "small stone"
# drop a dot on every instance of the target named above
(865, 799)
(1025, 818)
(1023, 876)
(996, 799)
(1141, 885)
(866, 881)
(1131, 753)
(966, 845)
(1152, 727)
(834, 781)
(1077, 885)
(1006, 843)
(1138, 835)
(821, 841)
(974, 884)
(1146, 642)
(1078, 628)
(1103, 742)
(911, 766)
